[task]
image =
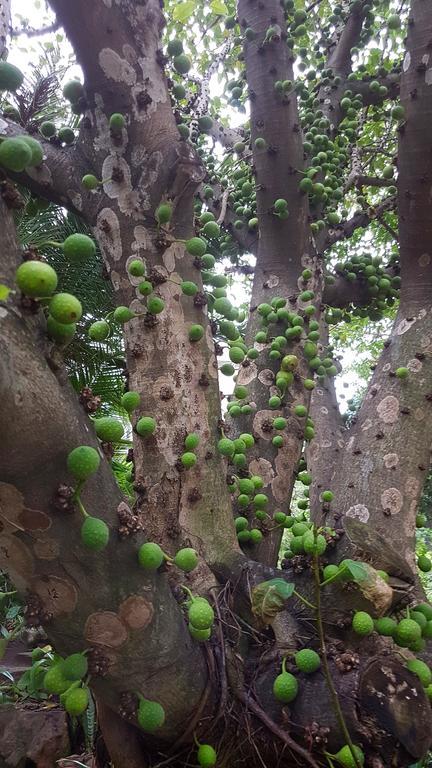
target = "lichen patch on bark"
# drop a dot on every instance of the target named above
(359, 512)
(116, 68)
(392, 501)
(388, 409)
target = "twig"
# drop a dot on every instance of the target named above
(249, 702)
(224, 205)
(30, 32)
(326, 669)
(223, 677)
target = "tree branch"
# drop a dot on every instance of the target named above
(30, 32)
(58, 178)
(347, 228)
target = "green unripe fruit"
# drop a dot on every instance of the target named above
(362, 624)
(109, 429)
(247, 439)
(150, 556)
(163, 212)
(260, 143)
(205, 123)
(186, 559)
(99, 330)
(206, 756)
(48, 129)
(421, 521)
(260, 500)
(388, 172)
(385, 626)
(196, 332)
(182, 64)
(188, 459)
(175, 47)
(117, 122)
(407, 632)
(309, 384)
(199, 634)
(136, 268)
(420, 669)
(65, 308)
(189, 288)
(191, 441)
(200, 613)
(285, 687)
(66, 135)
(196, 246)
(54, 681)
(307, 660)
(60, 332)
(245, 485)
(36, 150)
(11, 78)
(329, 571)
(327, 496)
(76, 702)
(398, 112)
(145, 426)
(425, 609)
(345, 757)
(393, 21)
(15, 154)
(240, 392)
(150, 715)
(183, 130)
(314, 545)
(424, 564)
(419, 617)
(278, 441)
(289, 363)
(274, 401)
(130, 401)
(236, 355)
(300, 410)
(75, 666)
(208, 261)
(280, 205)
(179, 91)
(279, 423)
(227, 369)
(89, 181)
(155, 305)
(82, 462)
(255, 535)
(226, 446)
(94, 534)
(241, 524)
(402, 373)
(79, 247)
(145, 288)
(73, 90)
(211, 230)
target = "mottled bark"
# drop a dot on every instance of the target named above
(386, 454)
(101, 601)
(177, 380)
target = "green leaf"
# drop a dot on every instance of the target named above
(284, 588)
(357, 570)
(219, 7)
(268, 598)
(183, 11)
(4, 292)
